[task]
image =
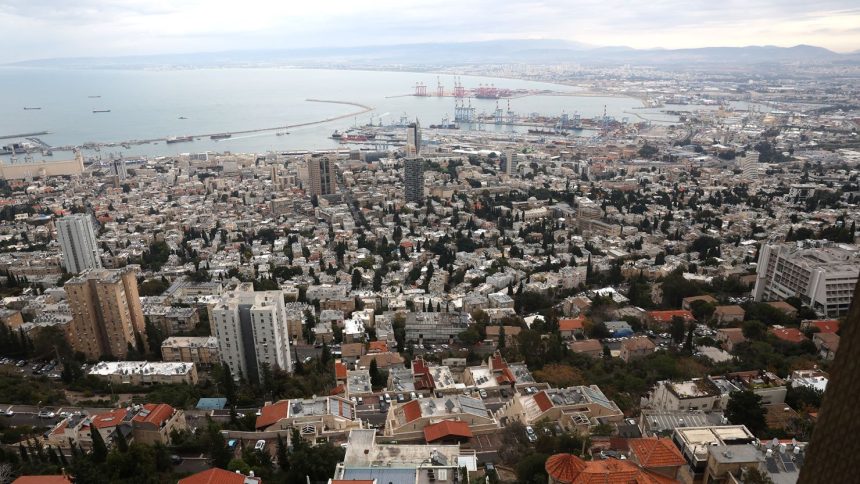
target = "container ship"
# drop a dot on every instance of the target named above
(548, 132)
(95, 111)
(221, 136)
(31, 109)
(179, 139)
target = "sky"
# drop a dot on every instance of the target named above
(34, 29)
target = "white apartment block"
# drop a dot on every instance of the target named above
(823, 276)
(251, 327)
(77, 237)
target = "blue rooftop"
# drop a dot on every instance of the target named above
(211, 404)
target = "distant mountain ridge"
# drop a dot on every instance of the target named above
(485, 52)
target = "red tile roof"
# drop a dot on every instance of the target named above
(825, 325)
(412, 411)
(270, 414)
(42, 480)
(543, 401)
(570, 469)
(446, 428)
(338, 390)
(792, 335)
(217, 476)
(339, 370)
(656, 452)
(666, 316)
(564, 467)
(154, 414)
(109, 419)
(570, 324)
(377, 347)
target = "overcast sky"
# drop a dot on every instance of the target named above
(70, 28)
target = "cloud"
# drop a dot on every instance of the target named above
(59, 28)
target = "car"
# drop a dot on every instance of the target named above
(360, 401)
(64, 414)
(386, 398)
(413, 396)
(231, 444)
(21, 363)
(47, 414)
(354, 400)
(383, 407)
(530, 433)
(9, 412)
(307, 359)
(260, 445)
(175, 459)
(503, 393)
(400, 398)
(482, 393)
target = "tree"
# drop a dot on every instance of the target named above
(219, 453)
(530, 469)
(752, 475)
(154, 338)
(228, 383)
(356, 279)
(378, 378)
(677, 329)
(501, 344)
(688, 344)
(121, 443)
(745, 408)
(100, 451)
(283, 459)
(754, 329)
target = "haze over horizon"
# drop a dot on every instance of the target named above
(36, 29)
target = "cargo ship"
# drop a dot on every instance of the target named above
(547, 132)
(31, 109)
(179, 139)
(95, 111)
(220, 136)
(445, 126)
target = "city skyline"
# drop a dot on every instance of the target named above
(43, 30)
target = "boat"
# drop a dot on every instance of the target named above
(281, 133)
(101, 111)
(445, 126)
(336, 135)
(182, 117)
(31, 109)
(94, 97)
(353, 137)
(220, 136)
(179, 139)
(547, 132)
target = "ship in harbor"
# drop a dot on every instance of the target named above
(336, 135)
(548, 132)
(220, 136)
(445, 126)
(179, 139)
(31, 109)
(96, 111)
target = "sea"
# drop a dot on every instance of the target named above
(149, 104)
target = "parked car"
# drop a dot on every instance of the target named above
(9, 412)
(482, 393)
(47, 414)
(530, 433)
(260, 445)
(400, 398)
(175, 459)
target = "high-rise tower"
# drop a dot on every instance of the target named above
(77, 237)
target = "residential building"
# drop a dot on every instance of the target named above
(107, 317)
(312, 417)
(367, 461)
(575, 408)
(201, 350)
(145, 372)
(321, 176)
(730, 337)
(77, 236)
(413, 139)
(155, 423)
(413, 179)
(635, 348)
(407, 420)
(251, 327)
(440, 327)
(571, 469)
(587, 347)
(823, 276)
(728, 314)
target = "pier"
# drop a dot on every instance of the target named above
(23, 135)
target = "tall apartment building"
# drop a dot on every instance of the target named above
(750, 166)
(413, 140)
(252, 329)
(508, 164)
(413, 176)
(321, 176)
(77, 237)
(823, 276)
(106, 312)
